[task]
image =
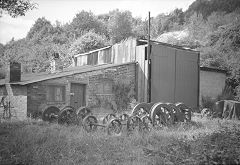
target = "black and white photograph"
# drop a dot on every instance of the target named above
(119, 82)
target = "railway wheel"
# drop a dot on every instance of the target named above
(67, 116)
(123, 117)
(161, 115)
(133, 123)
(146, 124)
(177, 113)
(108, 118)
(82, 112)
(141, 109)
(90, 123)
(114, 127)
(187, 111)
(50, 114)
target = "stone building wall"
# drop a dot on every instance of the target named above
(112, 79)
(211, 83)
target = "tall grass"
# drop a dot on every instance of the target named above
(184, 143)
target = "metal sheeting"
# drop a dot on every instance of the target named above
(187, 78)
(162, 73)
(174, 75)
(104, 56)
(124, 51)
(142, 74)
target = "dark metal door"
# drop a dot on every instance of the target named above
(174, 75)
(162, 74)
(77, 95)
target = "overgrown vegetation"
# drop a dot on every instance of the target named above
(123, 95)
(201, 141)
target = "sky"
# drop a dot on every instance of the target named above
(65, 10)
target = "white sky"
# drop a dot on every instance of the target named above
(65, 10)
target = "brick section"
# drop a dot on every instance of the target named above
(37, 94)
(211, 83)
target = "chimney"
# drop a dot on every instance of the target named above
(13, 72)
(55, 63)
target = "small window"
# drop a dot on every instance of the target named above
(105, 87)
(56, 93)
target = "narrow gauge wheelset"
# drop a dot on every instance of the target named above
(158, 115)
(83, 116)
(144, 117)
(65, 115)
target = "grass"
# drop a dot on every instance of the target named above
(202, 141)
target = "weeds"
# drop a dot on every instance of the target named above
(201, 141)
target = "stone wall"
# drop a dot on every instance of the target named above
(18, 102)
(108, 79)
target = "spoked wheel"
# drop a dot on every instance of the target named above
(108, 118)
(133, 123)
(177, 113)
(187, 111)
(123, 117)
(114, 127)
(67, 116)
(161, 115)
(90, 123)
(146, 123)
(141, 109)
(82, 112)
(50, 114)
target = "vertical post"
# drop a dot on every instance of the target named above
(149, 61)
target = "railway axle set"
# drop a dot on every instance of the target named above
(144, 117)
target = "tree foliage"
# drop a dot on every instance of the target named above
(16, 7)
(88, 42)
(120, 25)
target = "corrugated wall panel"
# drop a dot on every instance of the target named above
(142, 79)
(163, 73)
(187, 77)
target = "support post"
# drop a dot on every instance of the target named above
(149, 61)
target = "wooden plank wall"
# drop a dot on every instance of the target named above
(142, 74)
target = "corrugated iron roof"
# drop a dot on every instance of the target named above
(37, 77)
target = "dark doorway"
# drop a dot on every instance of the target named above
(77, 95)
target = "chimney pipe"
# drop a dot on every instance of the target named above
(13, 72)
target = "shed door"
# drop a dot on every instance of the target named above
(162, 74)
(174, 75)
(77, 95)
(187, 78)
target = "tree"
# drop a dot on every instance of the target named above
(16, 7)
(140, 28)
(40, 29)
(120, 25)
(88, 42)
(83, 22)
